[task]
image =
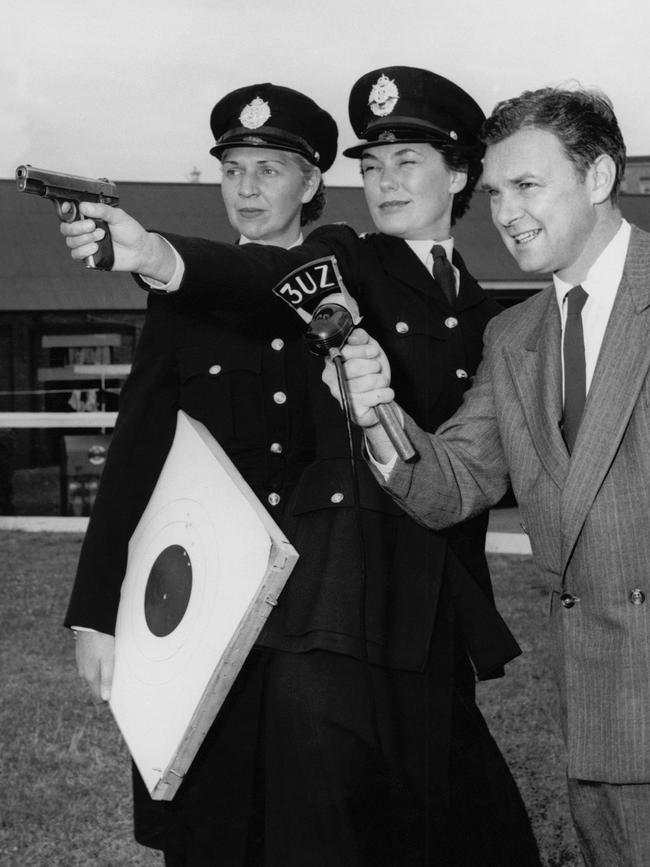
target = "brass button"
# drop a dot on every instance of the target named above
(337, 497)
(215, 369)
(461, 374)
(402, 327)
(451, 322)
(637, 597)
(276, 448)
(273, 499)
(280, 397)
(277, 344)
(569, 600)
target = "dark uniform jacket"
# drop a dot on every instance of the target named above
(328, 602)
(249, 390)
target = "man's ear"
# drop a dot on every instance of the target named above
(603, 176)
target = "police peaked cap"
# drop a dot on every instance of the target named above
(270, 116)
(406, 104)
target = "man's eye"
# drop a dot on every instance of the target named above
(367, 169)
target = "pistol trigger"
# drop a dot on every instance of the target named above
(68, 216)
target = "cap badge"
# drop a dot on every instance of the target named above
(255, 114)
(388, 135)
(383, 96)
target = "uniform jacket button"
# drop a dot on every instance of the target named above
(280, 397)
(276, 448)
(637, 597)
(337, 497)
(461, 374)
(277, 344)
(402, 327)
(451, 322)
(569, 600)
(215, 369)
(273, 499)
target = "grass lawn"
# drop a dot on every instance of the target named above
(65, 773)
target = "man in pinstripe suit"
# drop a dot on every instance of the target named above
(552, 169)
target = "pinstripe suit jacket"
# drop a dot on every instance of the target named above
(588, 516)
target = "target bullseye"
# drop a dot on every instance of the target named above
(168, 590)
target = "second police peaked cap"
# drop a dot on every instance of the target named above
(268, 115)
(407, 104)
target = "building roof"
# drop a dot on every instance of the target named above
(36, 272)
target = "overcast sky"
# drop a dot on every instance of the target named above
(124, 89)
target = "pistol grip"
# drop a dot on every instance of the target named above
(104, 258)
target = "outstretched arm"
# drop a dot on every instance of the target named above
(135, 248)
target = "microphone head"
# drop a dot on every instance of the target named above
(329, 329)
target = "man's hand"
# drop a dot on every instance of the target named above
(95, 656)
(134, 248)
(367, 374)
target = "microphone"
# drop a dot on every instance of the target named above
(328, 331)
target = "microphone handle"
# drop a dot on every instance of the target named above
(396, 434)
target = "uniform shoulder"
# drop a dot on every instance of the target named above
(340, 230)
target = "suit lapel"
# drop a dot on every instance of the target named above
(621, 369)
(536, 368)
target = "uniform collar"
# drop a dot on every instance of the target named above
(422, 249)
(244, 240)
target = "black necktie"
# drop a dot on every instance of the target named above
(443, 273)
(573, 351)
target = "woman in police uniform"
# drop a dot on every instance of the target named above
(250, 391)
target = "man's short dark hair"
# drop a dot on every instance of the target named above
(583, 121)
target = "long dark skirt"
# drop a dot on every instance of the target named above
(319, 760)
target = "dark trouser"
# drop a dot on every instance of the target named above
(612, 822)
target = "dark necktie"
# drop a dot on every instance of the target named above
(573, 351)
(443, 273)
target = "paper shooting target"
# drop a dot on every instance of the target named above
(205, 566)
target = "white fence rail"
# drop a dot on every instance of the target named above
(57, 419)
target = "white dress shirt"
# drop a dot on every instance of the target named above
(600, 284)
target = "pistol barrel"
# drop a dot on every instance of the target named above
(56, 185)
